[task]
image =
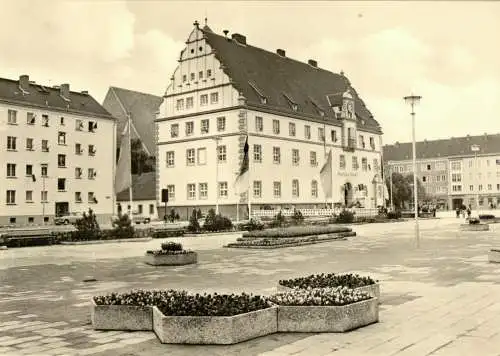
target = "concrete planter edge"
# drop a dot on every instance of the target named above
(121, 317)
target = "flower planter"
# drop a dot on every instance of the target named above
(121, 317)
(494, 255)
(474, 227)
(95, 242)
(327, 318)
(373, 289)
(223, 330)
(490, 221)
(171, 260)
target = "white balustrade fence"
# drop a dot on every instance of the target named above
(358, 212)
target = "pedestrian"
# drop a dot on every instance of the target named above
(468, 212)
(458, 212)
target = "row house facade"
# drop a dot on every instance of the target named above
(54, 157)
(463, 170)
(225, 91)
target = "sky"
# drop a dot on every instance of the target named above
(446, 52)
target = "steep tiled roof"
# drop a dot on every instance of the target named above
(143, 188)
(257, 72)
(455, 146)
(142, 108)
(49, 98)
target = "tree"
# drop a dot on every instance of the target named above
(402, 189)
(141, 161)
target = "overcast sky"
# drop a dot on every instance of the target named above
(447, 52)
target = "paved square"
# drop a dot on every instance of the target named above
(440, 299)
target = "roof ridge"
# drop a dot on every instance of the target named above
(135, 91)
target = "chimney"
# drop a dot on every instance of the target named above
(64, 90)
(281, 52)
(85, 92)
(313, 63)
(239, 38)
(24, 82)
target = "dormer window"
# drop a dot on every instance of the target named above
(260, 93)
(319, 110)
(292, 103)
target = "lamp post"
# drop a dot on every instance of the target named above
(413, 100)
(476, 149)
(390, 182)
(217, 139)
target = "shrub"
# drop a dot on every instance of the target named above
(173, 216)
(171, 246)
(474, 221)
(297, 231)
(330, 280)
(123, 228)
(394, 214)
(486, 216)
(212, 305)
(253, 225)
(87, 227)
(164, 233)
(278, 220)
(194, 225)
(337, 296)
(297, 217)
(217, 222)
(345, 217)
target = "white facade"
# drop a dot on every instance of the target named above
(201, 94)
(30, 195)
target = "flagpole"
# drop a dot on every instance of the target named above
(324, 154)
(331, 152)
(130, 149)
(248, 187)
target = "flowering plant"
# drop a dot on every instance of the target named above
(337, 296)
(137, 297)
(297, 231)
(169, 248)
(330, 280)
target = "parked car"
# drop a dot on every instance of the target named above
(68, 219)
(139, 219)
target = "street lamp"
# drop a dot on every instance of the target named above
(413, 100)
(390, 182)
(217, 139)
(476, 149)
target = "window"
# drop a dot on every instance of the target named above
(321, 134)
(291, 129)
(202, 156)
(171, 192)
(11, 170)
(424, 179)
(295, 156)
(355, 164)
(189, 102)
(61, 138)
(189, 128)
(11, 143)
(295, 188)
(190, 157)
(314, 189)
(192, 76)
(443, 177)
(44, 170)
(203, 99)
(204, 126)
(170, 158)
(362, 141)
(92, 150)
(91, 173)
(45, 120)
(78, 197)
(29, 144)
(78, 173)
(313, 158)
(276, 127)
(456, 165)
(257, 189)
(44, 196)
(334, 135)
(277, 189)
(45, 145)
(257, 153)
(203, 188)
(372, 143)
(259, 124)
(458, 188)
(61, 161)
(364, 164)
(151, 209)
(180, 104)
(221, 154)
(307, 132)
(209, 73)
(191, 191)
(342, 162)
(489, 187)
(91, 197)
(29, 170)
(471, 187)
(438, 178)
(214, 98)
(11, 197)
(276, 155)
(174, 130)
(428, 167)
(61, 184)
(498, 187)
(200, 75)
(375, 165)
(79, 125)
(61, 121)
(184, 78)
(221, 123)
(456, 177)
(223, 189)
(30, 118)
(29, 196)
(12, 117)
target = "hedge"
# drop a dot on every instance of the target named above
(297, 231)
